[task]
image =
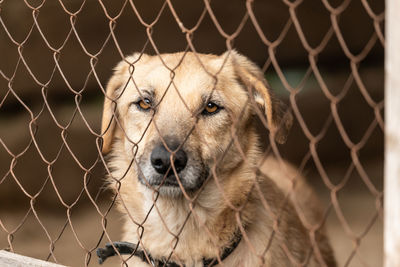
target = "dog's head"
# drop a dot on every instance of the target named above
(178, 115)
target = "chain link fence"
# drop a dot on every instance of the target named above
(324, 59)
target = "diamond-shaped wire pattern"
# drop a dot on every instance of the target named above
(323, 58)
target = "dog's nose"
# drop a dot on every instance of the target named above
(161, 159)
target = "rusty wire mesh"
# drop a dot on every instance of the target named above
(53, 73)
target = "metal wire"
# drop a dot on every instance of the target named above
(86, 195)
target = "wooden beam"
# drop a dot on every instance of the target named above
(8, 259)
(392, 135)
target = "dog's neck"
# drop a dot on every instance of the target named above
(180, 222)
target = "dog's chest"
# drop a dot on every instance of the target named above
(177, 228)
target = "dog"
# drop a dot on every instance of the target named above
(188, 171)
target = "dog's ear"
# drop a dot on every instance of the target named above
(250, 75)
(122, 75)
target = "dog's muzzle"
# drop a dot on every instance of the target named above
(169, 169)
(161, 160)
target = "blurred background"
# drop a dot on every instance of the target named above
(324, 58)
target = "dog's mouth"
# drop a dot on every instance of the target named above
(167, 180)
(190, 180)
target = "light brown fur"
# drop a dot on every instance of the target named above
(238, 195)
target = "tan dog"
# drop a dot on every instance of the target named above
(184, 157)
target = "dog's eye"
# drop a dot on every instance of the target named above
(211, 108)
(144, 104)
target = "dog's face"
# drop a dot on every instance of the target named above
(176, 116)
